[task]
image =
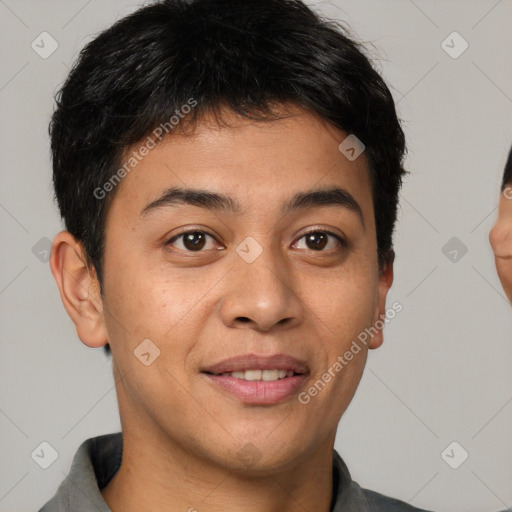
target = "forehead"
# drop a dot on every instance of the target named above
(257, 160)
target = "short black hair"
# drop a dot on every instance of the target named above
(244, 55)
(507, 172)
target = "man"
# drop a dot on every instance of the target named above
(228, 173)
(500, 235)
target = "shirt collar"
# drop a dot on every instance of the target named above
(96, 461)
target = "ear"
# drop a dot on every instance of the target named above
(385, 282)
(79, 289)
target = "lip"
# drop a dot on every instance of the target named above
(258, 392)
(258, 362)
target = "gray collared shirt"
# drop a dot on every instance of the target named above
(99, 458)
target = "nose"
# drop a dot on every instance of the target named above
(500, 238)
(262, 295)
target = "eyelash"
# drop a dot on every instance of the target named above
(341, 241)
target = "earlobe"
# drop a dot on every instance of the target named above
(79, 289)
(385, 282)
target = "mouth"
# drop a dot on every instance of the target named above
(267, 375)
(255, 379)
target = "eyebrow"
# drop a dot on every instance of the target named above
(332, 196)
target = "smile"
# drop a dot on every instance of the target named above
(266, 375)
(258, 380)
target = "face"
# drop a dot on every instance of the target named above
(500, 238)
(255, 283)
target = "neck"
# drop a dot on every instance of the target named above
(159, 476)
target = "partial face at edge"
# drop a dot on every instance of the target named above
(500, 238)
(200, 302)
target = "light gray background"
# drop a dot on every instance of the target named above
(444, 372)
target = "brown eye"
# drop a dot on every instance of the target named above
(319, 240)
(193, 241)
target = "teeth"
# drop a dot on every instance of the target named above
(252, 374)
(266, 375)
(269, 374)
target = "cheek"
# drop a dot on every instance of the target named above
(168, 306)
(345, 301)
(504, 268)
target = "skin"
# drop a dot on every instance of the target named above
(500, 238)
(182, 434)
